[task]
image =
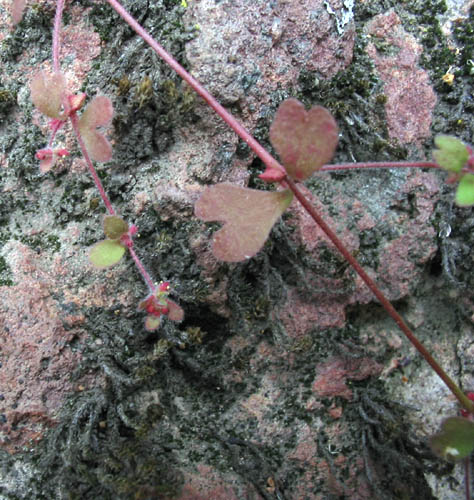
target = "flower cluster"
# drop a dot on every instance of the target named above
(158, 304)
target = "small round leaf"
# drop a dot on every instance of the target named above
(465, 191)
(152, 323)
(114, 227)
(106, 253)
(452, 154)
(47, 93)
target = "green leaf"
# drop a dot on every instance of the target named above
(465, 191)
(304, 140)
(106, 253)
(455, 441)
(248, 215)
(114, 227)
(98, 113)
(452, 154)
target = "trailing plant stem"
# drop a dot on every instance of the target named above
(270, 162)
(379, 164)
(146, 277)
(82, 146)
(462, 398)
(266, 157)
(57, 35)
(141, 268)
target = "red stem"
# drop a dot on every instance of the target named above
(57, 35)
(269, 161)
(266, 157)
(82, 146)
(462, 398)
(141, 268)
(380, 164)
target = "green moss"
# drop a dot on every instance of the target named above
(7, 100)
(5, 273)
(464, 35)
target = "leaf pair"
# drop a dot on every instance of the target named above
(305, 141)
(50, 96)
(108, 252)
(453, 155)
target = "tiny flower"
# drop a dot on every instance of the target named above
(157, 304)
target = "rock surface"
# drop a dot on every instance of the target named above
(285, 380)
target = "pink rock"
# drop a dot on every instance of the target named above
(333, 375)
(410, 97)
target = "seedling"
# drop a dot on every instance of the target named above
(304, 140)
(51, 96)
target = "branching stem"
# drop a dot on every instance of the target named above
(271, 162)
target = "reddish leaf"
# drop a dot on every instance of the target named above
(47, 93)
(98, 113)
(248, 215)
(175, 313)
(48, 156)
(305, 140)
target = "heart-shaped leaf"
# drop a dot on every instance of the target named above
(455, 441)
(98, 113)
(114, 227)
(106, 253)
(452, 154)
(47, 93)
(248, 215)
(465, 191)
(304, 140)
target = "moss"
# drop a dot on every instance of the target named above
(48, 242)
(354, 99)
(5, 273)
(7, 100)
(464, 35)
(151, 99)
